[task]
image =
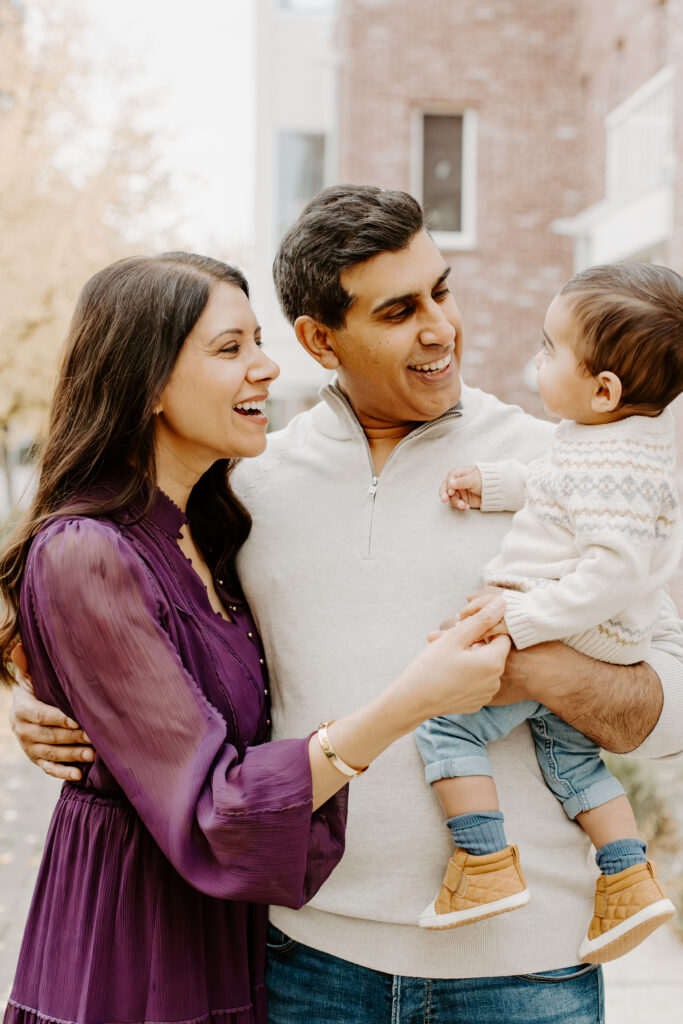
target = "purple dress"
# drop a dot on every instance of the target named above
(150, 904)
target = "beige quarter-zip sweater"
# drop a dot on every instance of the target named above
(346, 574)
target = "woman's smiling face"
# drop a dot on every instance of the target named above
(213, 406)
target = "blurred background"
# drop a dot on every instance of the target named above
(542, 137)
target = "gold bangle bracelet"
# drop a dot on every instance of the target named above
(333, 757)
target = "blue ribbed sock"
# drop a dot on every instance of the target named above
(619, 855)
(478, 833)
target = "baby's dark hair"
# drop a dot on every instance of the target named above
(631, 323)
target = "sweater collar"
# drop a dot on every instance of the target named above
(339, 404)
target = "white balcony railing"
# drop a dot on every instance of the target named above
(640, 139)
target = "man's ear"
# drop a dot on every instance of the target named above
(315, 339)
(607, 393)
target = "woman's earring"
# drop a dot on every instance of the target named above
(157, 410)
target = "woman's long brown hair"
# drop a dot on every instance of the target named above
(129, 326)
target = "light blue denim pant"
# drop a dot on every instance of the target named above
(306, 986)
(455, 745)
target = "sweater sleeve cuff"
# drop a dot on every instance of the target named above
(666, 739)
(502, 486)
(517, 621)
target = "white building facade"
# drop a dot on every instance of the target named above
(296, 157)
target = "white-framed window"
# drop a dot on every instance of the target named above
(445, 175)
(301, 173)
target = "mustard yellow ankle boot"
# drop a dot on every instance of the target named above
(628, 907)
(477, 887)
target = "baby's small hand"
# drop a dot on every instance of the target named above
(462, 488)
(475, 602)
(499, 630)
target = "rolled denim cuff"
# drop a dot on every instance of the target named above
(453, 767)
(595, 795)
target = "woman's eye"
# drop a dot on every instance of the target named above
(231, 349)
(441, 294)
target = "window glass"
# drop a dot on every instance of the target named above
(442, 171)
(301, 164)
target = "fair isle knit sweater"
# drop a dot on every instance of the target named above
(597, 538)
(346, 576)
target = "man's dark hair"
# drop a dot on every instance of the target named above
(342, 226)
(630, 318)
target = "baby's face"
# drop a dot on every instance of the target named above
(565, 387)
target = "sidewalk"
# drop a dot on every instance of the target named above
(27, 796)
(646, 985)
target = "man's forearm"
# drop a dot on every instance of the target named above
(617, 706)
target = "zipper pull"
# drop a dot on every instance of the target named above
(373, 487)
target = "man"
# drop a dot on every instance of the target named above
(352, 560)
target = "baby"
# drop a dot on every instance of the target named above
(596, 538)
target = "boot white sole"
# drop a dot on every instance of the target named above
(430, 919)
(626, 936)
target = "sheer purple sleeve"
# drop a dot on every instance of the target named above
(235, 829)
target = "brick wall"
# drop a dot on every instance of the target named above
(515, 64)
(541, 76)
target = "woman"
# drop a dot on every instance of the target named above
(120, 581)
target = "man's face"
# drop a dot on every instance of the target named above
(400, 348)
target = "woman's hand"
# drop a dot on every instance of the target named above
(479, 599)
(46, 735)
(459, 673)
(475, 602)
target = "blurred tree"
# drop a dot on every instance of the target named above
(76, 192)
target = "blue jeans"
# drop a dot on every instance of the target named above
(305, 985)
(455, 745)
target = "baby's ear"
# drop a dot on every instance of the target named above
(607, 393)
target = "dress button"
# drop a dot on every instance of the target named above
(250, 635)
(266, 692)
(262, 661)
(267, 721)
